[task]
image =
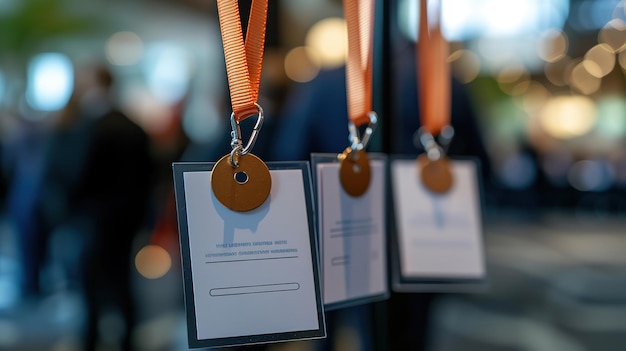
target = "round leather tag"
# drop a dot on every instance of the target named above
(436, 175)
(354, 172)
(241, 188)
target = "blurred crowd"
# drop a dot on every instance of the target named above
(92, 176)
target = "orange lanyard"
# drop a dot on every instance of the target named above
(433, 72)
(359, 19)
(243, 61)
(354, 170)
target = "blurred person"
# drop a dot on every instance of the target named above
(23, 166)
(113, 196)
(64, 163)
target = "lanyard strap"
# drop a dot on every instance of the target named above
(359, 16)
(433, 71)
(243, 61)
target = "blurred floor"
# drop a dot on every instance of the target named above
(556, 283)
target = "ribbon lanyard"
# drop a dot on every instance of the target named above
(241, 181)
(433, 69)
(354, 171)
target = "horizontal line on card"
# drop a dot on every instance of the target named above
(254, 289)
(341, 235)
(253, 259)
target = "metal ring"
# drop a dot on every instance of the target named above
(234, 161)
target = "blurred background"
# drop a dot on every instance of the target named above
(97, 98)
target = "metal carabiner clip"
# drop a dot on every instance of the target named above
(236, 141)
(356, 143)
(435, 149)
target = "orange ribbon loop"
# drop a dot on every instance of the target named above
(243, 61)
(359, 19)
(433, 71)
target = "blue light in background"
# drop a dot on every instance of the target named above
(50, 82)
(168, 72)
(593, 14)
(471, 19)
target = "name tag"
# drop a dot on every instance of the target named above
(352, 235)
(438, 243)
(249, 277)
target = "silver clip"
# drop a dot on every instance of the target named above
(356, 143)
(236, 142)
(435, 149)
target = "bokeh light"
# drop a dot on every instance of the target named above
(611, 113)
(599, 60)
(614, 35)
(50, 81)
(555, 71)
(124, 48)
(510, 78)
(583, 81)
(470, 19)
(518, 171)
(553, 45)
(329, 39)
(565, 117)
(302, 64)
(622, 59)
(168, 71)
(153, 262)
(465, 65)
(591, 175)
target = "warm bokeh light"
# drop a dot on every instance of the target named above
(599, 60)
(622, 59)
(513, 79)
(614, 35)
(512, 74)
(302, 64)
(153, 262)
(553, 45)
(555, 71)
(520, 88)
(569, 68)
(465, 65)
(329, 38)
(565, 117)
(583, 81)
(124, 48)
(50, 81)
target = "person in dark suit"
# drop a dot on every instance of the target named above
(113, 196)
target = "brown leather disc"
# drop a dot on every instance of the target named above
(354, 172)
(241, 188)
(436, 175)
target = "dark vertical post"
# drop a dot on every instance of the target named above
(382, 140)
